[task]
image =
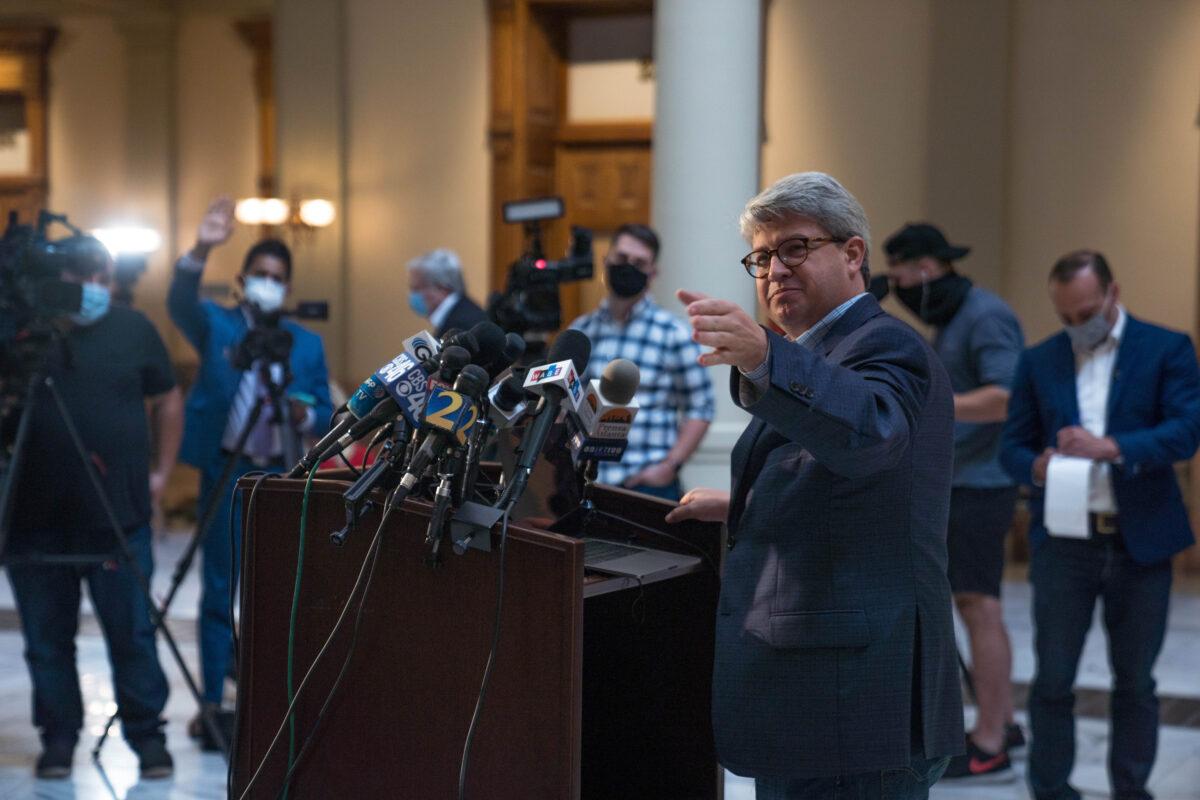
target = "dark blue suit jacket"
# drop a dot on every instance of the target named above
(215, 332)
(1153, 414)
(835, 646)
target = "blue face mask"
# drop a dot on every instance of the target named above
(416, 301)
(94, 305)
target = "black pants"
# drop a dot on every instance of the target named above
(1068, 575)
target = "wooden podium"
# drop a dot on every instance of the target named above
(601, 687)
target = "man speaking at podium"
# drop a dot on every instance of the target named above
(835, 670)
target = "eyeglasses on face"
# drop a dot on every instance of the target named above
(791, 252)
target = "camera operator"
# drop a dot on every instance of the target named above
(675, 395)
(437, 292)
(112, 370)
(220, 403)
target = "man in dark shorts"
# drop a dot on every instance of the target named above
(978, 339)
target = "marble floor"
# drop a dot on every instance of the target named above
(202, 775)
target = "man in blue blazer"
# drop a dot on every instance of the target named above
(220, 402)
(835, 671)
(1125, 394)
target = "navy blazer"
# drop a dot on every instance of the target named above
(1153, 414)
(215, 331)
(835, 642)
(464, 315)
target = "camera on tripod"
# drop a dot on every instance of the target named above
(267, 341)
(33, 294)
(530, 303)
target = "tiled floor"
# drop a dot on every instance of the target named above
(200, 775)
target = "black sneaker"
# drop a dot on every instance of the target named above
(979, 766)
(1014, 740)
(154, 762)
(54, 763)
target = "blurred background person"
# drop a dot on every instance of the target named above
(436, 291)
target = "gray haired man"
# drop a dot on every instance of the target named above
(835, 670)
(437, 292)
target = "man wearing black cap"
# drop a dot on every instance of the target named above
(978, 339)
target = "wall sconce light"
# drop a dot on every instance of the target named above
(130, 247)
(300, 216)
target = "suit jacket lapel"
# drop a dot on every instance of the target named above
(1126, 353)
(1063, 372)
(865, 308)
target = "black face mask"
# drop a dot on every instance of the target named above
(625, 279)
(935, 302)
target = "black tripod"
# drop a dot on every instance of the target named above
(157, 618)
(275, 398)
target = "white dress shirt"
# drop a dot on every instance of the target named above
(437, 317)
(1093, 380)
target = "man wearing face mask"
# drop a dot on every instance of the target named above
(221, 401)
(111, 369)
(675, 394)
(1126, 395)
(437, 292)
(978, 339)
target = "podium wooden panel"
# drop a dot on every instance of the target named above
(601, 687)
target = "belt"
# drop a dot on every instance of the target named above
(1103, 524)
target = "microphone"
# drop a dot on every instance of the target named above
(508, 401)
(514, 348)
(448, 418)
(600, 427)
(369, 407)
(423, 346)
(557, 382)
(490, 340)
(451, 360)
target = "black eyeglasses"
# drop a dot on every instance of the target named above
(792, 253)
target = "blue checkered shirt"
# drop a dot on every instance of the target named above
(674, 386)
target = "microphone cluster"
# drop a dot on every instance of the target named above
(439, 404)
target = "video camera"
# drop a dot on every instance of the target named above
(33, 294)
(270, 343)
(530, 303)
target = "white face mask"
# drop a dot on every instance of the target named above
(1086, 336)
(264, 293)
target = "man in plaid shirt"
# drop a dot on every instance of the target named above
(675, 395)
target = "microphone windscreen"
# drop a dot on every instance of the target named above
(472, 381)
(490, 338)
(619, 381)
(574, 346)
(509, 393)
(468, 342)
(514, 347)
(454, 358)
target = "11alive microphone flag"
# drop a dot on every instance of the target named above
(561, 374)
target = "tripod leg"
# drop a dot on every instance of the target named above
(140, 576)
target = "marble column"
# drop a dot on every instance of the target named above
(150, 41)
(707, 128)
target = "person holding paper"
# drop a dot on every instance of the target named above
(1124, 394)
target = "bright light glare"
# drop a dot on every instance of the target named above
(317, 213)
(128, 240)
(274, 211)
(249, 211)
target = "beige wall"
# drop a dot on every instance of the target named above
(604, 71)
(216, 138)
(91, 178)
(1104, 151)
(847, 92)
(86, 121)
(417, 166)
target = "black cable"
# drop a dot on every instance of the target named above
(234, 584)
(491, 661)
(358, 582)
(353, 469)
(311, 736)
